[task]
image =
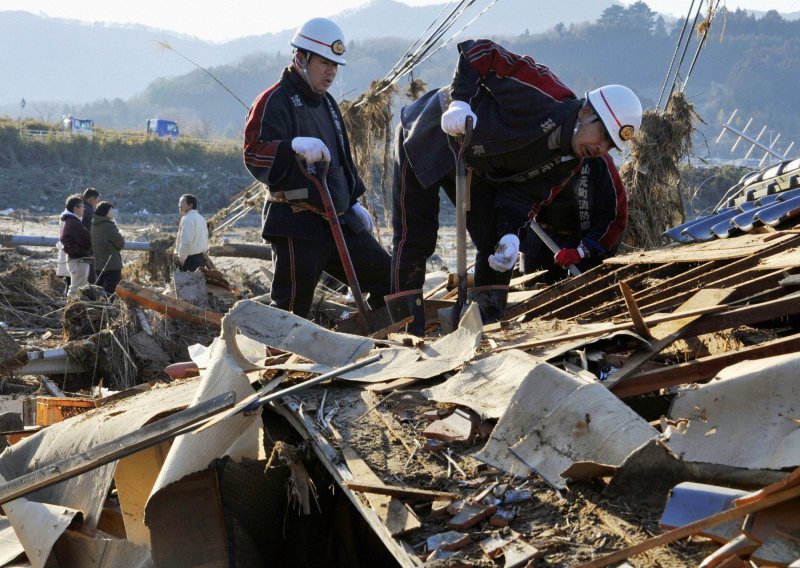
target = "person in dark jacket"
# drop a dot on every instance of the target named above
(91, 197)
(107, 242)
(77, 243)
(530, 134)
(586, 219)
(296, 117)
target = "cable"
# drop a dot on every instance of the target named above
(685, 49)
(674, 55)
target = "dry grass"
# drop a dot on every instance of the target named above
(651, 175)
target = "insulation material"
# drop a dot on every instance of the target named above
(557, 420)
(747, 417)
(487, 385)
(38, 526)
(74, 436)
(284, 330)
(237, 436)
(10, 546)
(428, 361)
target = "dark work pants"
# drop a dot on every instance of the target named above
(193, 262)
(299, 264)
(109, 279)
(415, 222)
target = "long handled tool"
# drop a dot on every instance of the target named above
(551, 244)
(369, 321)
(450, 316)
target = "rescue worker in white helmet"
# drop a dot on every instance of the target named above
(297, 117)
(530, 134)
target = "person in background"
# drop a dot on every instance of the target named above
(191, 243)
(107, 242)
(77, 243)
(91, 197)
(530, 134)
(586, 219)
(297, 117)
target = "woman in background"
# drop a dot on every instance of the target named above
(107, 241)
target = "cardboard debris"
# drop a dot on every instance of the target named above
(557, 419)
(428, 361)
(720, 431)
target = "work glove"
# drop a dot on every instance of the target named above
(363, 216)
(311, 149)
(567, 257)
(505, 253)
(454, 119)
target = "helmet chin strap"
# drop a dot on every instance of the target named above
(303, 64)
(587, 119)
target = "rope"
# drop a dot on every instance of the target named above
(675, 54)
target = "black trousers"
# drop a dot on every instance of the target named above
(415, 223)
(299, 264)
(109, 279)
(193, 262)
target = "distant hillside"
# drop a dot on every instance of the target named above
(97, 62)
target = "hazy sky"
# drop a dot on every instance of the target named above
(236, 18)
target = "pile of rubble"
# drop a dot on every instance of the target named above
(645, 411)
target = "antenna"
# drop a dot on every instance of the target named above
(754, 142)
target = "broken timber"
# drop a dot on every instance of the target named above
(170, 307)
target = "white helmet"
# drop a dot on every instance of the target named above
(323, 37)
(619, 109)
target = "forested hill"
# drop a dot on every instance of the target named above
(746, 63)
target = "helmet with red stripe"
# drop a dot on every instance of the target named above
(323, 37)
(620, 111)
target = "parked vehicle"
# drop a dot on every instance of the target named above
(160, 127)
(74, 125)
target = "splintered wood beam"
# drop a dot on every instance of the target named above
(639, 325)
(701, 369)
(665, 334)
(695, 527)
(171, 307)
(405, 493)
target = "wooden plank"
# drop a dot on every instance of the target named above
(611, 328)
(398, 517)
(718, 249)
(747, 315)
(563, 288)
(639, 325)
(666, 333)
(694, 528)
(406, 493)
(525, 278)
(171, 307)
(701, 369)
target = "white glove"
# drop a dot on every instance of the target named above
(454, 119)
(311, 149)
(505, 253)
(363, 216)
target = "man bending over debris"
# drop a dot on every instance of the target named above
(191, 243)
(77, 243)
(297, 117)
(586, 219)
(530, 134)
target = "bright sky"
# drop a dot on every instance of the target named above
(219, 22)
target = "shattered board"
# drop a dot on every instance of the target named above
(429, 361)
(486, 385)
(557, 420)
(748, 417)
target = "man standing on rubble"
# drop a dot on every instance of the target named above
(530, 134)
(77, 243)
(296, 117)
(191, 243)
(586, 219)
